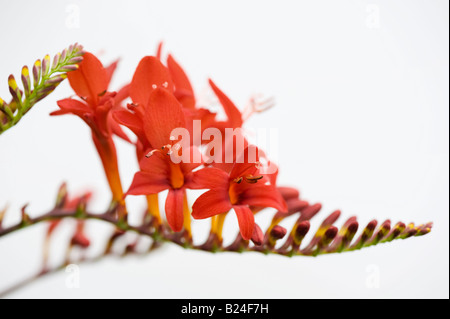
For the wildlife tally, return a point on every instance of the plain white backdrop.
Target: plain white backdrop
(362, 111)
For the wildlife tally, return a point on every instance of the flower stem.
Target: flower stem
(108, 155)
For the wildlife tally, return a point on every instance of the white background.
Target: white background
(362, 115)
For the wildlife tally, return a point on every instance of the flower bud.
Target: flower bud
(36, 72)
(258, 236)
(45, 65)
(278, 232)
(26, 81)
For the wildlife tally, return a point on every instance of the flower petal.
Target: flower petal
(122, 94)
(159, 50)
(209, 178)
(146, 183)
(183, 88)
(130, 120)
(233, 113)
(194, 162)
(246, 163)
(156, 164)
(246, 220)
(110, 71)
(174, 209)
(211, 203)
(117, 129)
(72, 106)
(262, 195)
(91, 78)
(150, 73)
(162, 115)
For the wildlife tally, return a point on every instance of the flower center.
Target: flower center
(176, 175)
(233, 191)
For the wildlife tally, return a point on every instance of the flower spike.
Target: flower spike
(163, 108)
(46, 78)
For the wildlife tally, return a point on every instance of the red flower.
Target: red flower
(162, 114)
(184, 93)
(234, 116)
(150, 74)
(90, 82)
(236, 190)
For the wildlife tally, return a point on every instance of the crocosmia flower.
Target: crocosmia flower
(239, 190)
(163, 113)
(90, 83)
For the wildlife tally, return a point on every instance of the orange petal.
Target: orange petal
(233, 113)
(72, 106)
(246, 221)
(174, 209)
(261, 195)
(162, 115)
(146, 184)
(150, 73)
(211, 203)
(110, 70)
(90, 79)
(183, 87)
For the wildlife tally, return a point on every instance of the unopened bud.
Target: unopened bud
(278, 232)
(56, 79)
(63, 55)
(45, 64)
(80, 240)
(61, 197)
(2, 215)
(330, 234)
(36, 72)
(288, 192)
(310, 211)
(26, 81)
(257, 236)
(68, 68)
(300, 231)
(56, 60)
(75, 60)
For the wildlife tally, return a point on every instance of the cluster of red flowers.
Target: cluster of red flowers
(162, 99)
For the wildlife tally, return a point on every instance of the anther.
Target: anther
(253, 179)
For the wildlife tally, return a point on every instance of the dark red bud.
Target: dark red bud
(80, 240)
(278, 232)
(310, 211)
(288, 192)
(352, 228)
(258, 236)
(331, 233)
(302, 229)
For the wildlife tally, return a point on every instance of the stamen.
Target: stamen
(256, 105)
(169, 148)
(151, 153)
(253, 179)
(162, 150)
(238, 180)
